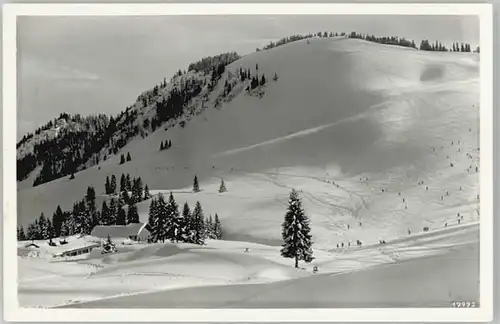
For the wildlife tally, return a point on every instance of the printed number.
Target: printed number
(463, 304)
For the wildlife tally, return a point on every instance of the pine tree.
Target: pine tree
(113, 185)
(20, 234)
(196, 185)
(64, 229)
(147, 195)
(123, 183)
(209, 227)
(137, 190)
(91, 207)
(50, 230)
(153, 220)
(174, 231)
(188, 223)
(198, 224)
(121, 218)
(133, 215)
(128, 182)
(128, 157)
(161, 223)
(161, 146)
(57, 220)
(263, 80)
(217, 228)
(113, 211)
(296, 232)
(107, 186)
(222, 187)
(32, 232)
(122, 159)
(169, 143)
(105, 214)
(42, 227)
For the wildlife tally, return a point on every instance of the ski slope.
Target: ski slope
(143, 275)
(354, 126)
(342, 110)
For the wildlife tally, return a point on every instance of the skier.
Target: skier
(426, 187)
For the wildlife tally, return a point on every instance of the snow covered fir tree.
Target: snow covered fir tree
(296, 232)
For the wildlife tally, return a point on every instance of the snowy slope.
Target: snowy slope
(146, 275)
(341, 112)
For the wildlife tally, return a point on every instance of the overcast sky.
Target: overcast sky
(101, 64)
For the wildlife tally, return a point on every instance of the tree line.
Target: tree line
(166, 223)
(84, 216)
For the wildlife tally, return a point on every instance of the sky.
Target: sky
(91, 65)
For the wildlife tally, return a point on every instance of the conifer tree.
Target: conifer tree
(217, 228)
(133, 215)
(64, 229)
(107, 186)
(122, 159)
(50, 230)
(222, 187)
(147, 195)
(263, 80)
(296, 232)
(57, 220)
(42, 227)
(161, 146)
(188, 223)
(123, 183)
(199, 224)
(128, 182)
(174, 230)
(113, 211)
(128, 157)
(121, 218)
(20, 234)
(137, 190)
(161, 223)
(113, 184)
(106, 215)
(32, 232)
(209, 228)
(196, 185)
(91, 207)
(153, 220)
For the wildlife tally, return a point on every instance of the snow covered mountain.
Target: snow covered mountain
(379, 140)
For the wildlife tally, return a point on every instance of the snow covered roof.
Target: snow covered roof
(123, 231)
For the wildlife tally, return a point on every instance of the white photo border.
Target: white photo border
(12, 310)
